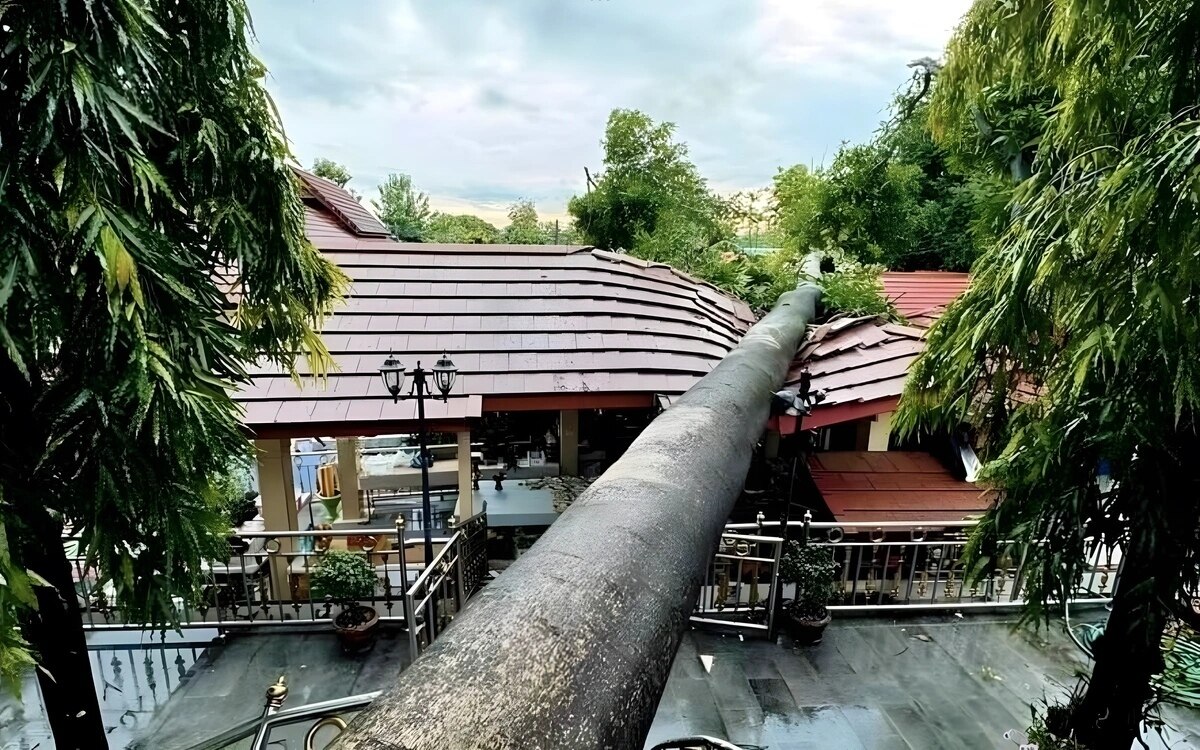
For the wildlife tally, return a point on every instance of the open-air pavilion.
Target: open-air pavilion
(568, 348)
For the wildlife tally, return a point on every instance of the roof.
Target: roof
(893, 486)
(348, 212)
(861, 365)
(921, 296)
(528, 326)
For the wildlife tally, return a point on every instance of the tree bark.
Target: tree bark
(572, 645)
(55, 631)
(1126, 655)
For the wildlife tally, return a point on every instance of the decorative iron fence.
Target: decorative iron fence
(265, 580)
(896, 566)
(442, 589)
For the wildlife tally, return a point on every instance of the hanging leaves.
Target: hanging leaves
(142, 167)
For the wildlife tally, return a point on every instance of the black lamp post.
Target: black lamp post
(442, 374)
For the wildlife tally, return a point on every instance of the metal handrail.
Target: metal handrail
(274, 715)
(699, 742)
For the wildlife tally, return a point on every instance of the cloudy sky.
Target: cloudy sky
(487, 101)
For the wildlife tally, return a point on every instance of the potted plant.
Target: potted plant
(812, 569)
(346, 578)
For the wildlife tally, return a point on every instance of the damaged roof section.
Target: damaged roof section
(861, 365)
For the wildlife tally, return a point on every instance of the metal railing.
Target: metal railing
(442, 589)
(316, 725)
(265, 581)
(882, 566)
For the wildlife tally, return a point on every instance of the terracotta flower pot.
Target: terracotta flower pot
(356, 628)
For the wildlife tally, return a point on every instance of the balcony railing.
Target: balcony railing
(883, 566)
(265, 580)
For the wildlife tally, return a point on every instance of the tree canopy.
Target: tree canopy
(1074, 351)
(899, 200)
(402, 208)
(460, 228)
(331, 170)
(523, 227)
(152, 247)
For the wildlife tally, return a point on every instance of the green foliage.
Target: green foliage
(560, 233)
(142, 173)
(523, 227)
(894, 201)
(331, 170)
(232, 496)
(1091, 294)
(650, 200)
(460, 228)
(1180, 682)
(403, 209)
(344, 576)
(812, 569)
(855, 288)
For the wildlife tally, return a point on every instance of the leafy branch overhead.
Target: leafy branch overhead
(152, 248)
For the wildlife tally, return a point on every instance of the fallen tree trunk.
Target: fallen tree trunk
(571, 646)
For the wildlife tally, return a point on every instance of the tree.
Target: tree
(460, 228)
(331, 170)
(560, 233)
(900, 200)
(143, 176)
(523, 227)
(647, 181)
(402, 208)
(1091, 299)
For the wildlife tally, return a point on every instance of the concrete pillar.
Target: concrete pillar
(278, 505)
(465, 508)
(880, 432)
(568, 442)
(771, 444)
(347, 455)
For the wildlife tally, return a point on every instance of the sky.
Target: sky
(485, 102)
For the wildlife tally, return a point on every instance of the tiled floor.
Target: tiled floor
(941, 682)
(938, 682)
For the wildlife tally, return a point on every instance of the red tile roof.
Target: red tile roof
(529, 326)
(922, 295)
(893, 486)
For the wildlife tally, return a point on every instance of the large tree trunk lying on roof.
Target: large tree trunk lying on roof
(571, 646)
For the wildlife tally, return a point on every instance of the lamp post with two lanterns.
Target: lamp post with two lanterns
(442, 374)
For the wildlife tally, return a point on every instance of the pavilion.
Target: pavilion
(560, 332)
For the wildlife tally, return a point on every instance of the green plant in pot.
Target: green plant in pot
(347, 578)
(813, 571)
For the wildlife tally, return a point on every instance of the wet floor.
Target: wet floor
(873, 684)
(923, 684)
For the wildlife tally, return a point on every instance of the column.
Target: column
(771, 444)
(568, 442)
(880, 432)
(465, 508)
(347, 456)
(278, 505)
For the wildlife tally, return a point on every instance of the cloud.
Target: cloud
(484, 102)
